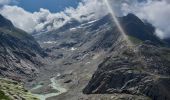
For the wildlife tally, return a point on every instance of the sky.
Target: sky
(48, 15)
(51, 5)
(35, 5)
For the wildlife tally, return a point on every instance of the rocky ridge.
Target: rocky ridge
(19, 52)
(142, 69)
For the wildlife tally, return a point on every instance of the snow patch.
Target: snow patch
(50, 42)
(73, 49)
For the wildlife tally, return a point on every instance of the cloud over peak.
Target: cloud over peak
(44, 20)
(4, 2)
(156, 12)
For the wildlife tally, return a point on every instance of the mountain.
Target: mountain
(141, 70)
(101, 33)
(19, 52)
(5, 22)
(137, 72)
(134, 27)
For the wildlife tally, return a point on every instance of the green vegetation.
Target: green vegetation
(11, 90)
(165, 55)
(3, 96)
(134, 40)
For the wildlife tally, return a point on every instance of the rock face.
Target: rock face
(18, 52)
(141, 72)
(143, 69)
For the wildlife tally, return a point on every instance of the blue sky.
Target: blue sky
(52, 5)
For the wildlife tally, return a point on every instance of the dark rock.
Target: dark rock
(68, 81)
(5, 22)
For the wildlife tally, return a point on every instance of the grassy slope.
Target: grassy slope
(10, 90)
(134, 40)
(3, 96)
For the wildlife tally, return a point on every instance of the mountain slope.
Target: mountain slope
(145, 72)
(139, 70)
(18, 52)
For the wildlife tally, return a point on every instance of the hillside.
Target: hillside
(19, 52)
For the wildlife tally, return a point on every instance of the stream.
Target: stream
(55, 85)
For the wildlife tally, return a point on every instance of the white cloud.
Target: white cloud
(45, 20)
(88, 7)
(156, 12)
(36, 21)
(19, 17)
(4, 2)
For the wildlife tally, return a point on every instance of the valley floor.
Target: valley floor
(63, 78)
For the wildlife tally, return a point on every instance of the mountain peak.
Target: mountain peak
(5, 22)
(131, 16)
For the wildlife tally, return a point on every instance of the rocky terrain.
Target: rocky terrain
(121, 71)
(142, 69)
(19, 52)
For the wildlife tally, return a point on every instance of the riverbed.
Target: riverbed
(55, 85)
